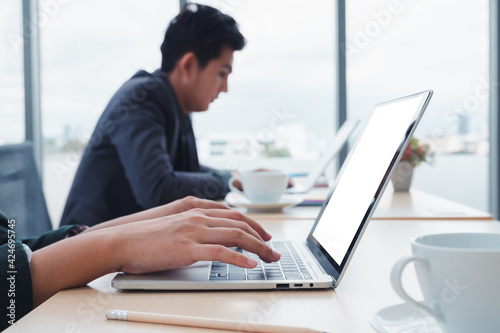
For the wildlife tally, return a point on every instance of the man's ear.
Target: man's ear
(188, 64)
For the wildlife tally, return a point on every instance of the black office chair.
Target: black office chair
(21, 194)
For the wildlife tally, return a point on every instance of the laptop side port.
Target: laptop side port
(282, 286)
(298, 285)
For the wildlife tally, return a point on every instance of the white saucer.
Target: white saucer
(237, 200)
(403, 318)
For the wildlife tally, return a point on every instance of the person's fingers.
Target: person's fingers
(238, 184)
(239, 216)
(194, 202)
(213, 252)
(237, 237)
(228, 223)
(210, 204)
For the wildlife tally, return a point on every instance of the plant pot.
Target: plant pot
(401, 177)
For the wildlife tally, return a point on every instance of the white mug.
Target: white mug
(459, 275)
(261, 186)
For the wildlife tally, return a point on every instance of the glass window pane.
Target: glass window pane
(280, 104)
(11, 73)
(88, 50)
(399, 48)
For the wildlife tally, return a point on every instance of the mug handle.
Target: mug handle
(396, 273)
(231, 185)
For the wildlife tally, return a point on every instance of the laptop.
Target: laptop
(341, 137)
(320, 261)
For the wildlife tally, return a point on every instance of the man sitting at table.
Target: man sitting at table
(142, 152)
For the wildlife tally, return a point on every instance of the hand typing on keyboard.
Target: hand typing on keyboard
(166, 237)
(195, 235)
(289, 267)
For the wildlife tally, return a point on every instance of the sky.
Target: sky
(439, 45)
(89, 48)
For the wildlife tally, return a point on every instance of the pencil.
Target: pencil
(221, 324)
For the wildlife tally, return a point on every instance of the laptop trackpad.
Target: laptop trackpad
(199, 271)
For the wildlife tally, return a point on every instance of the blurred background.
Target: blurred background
(280, 111)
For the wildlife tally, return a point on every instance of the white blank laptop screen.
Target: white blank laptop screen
(362, 177)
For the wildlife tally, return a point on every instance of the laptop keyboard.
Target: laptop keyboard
(289, 267)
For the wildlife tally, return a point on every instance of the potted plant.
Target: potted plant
(414, 154)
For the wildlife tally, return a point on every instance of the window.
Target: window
(11, 73)
(88, 50)
(280, 104)
(398, 48)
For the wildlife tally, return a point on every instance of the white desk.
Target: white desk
(412, 205)
(417, 204)
(364, 289)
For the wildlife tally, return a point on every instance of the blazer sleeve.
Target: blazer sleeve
(141, 144)
(15, 282)
(15, 275)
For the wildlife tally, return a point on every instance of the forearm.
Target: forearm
(148, 214)
(174, 185)
(148, 246)
(176, 207)
(71, 263)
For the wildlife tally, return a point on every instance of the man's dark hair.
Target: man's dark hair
(202, 30)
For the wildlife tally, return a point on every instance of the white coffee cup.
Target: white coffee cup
(459, 275)
(261, 186)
